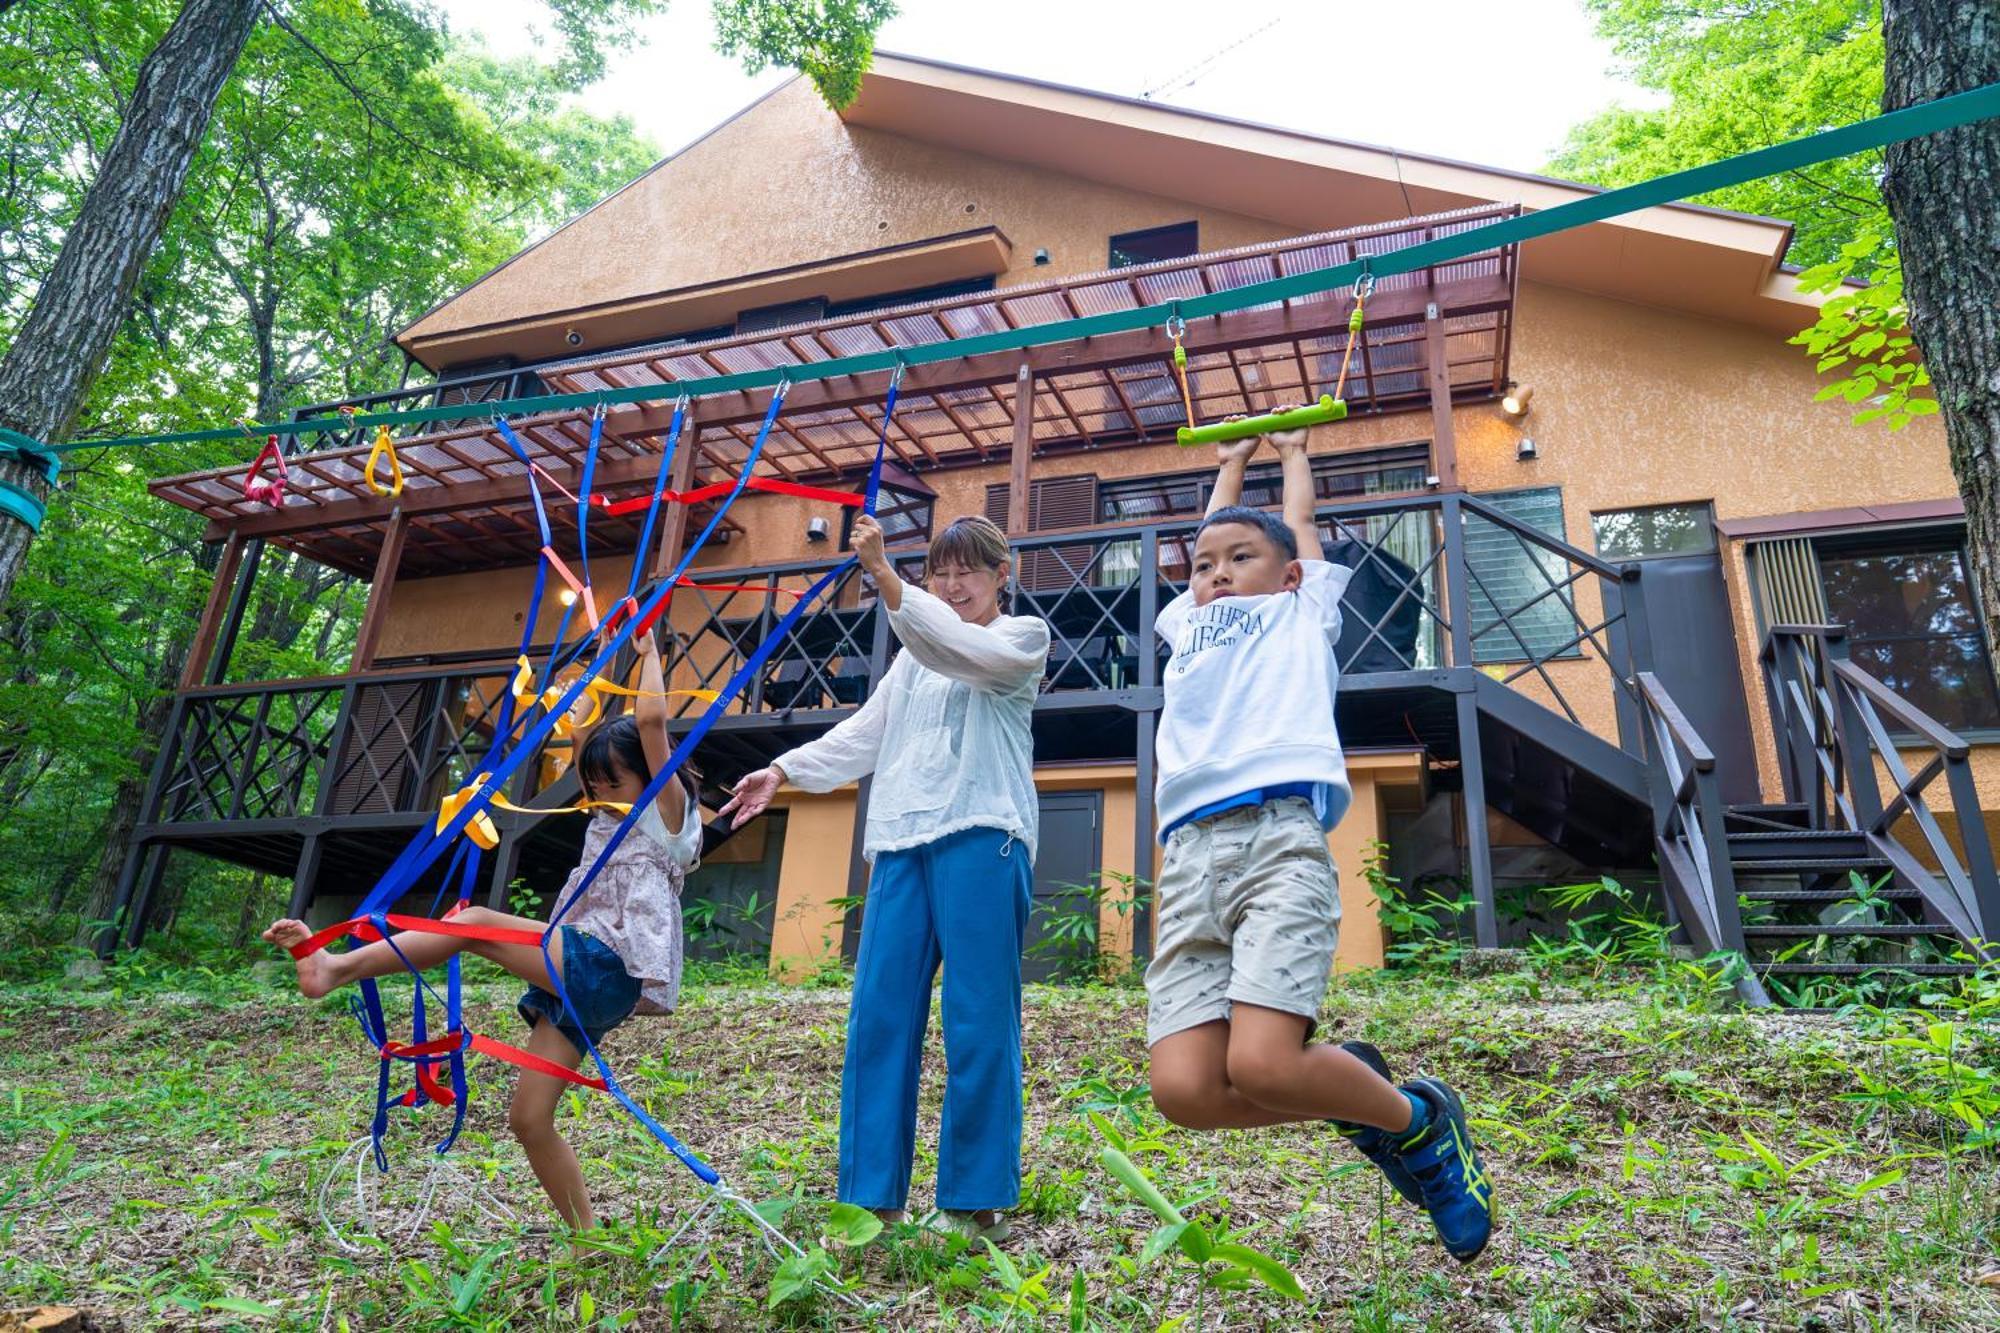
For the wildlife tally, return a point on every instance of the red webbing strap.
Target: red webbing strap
(361, 928)
(717, 489)
(514, 1055)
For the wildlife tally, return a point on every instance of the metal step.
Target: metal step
(1829, 896)
(1794, 864)
(1781, 815)
(1793, 844)
(1864, 969)
(1782, 931)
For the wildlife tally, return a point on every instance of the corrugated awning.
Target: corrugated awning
(467, 500)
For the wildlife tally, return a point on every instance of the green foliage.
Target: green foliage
(359, 166)
(830, 41)
(1220, 1263)
(1862, 334)
(1741, 75)
(1071, 927)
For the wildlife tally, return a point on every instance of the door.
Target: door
(1062, 924)
(1693, 635)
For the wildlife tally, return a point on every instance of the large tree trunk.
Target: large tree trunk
(47, 373)
(1943, 191)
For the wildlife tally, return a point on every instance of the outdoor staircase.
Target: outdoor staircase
(1823, 903)
(1844, 879)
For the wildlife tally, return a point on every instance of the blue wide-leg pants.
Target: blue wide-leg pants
(963, 901)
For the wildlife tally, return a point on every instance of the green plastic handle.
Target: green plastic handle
(1328, 408)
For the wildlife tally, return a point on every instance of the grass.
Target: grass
(1663, 1161)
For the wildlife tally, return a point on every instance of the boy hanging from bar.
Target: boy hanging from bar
(1251, 778)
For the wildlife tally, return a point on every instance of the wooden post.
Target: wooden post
(1024, 448)
(673, 531)
(1444, 446)
(378, 592)
(211, 614)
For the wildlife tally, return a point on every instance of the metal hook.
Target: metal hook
(1364, 286)
(896, 376)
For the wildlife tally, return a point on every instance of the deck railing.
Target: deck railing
(1839, 730)
(1417, 603)
(381, 743)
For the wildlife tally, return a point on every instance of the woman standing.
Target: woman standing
(951, 833)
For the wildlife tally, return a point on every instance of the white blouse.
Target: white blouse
(946, 732)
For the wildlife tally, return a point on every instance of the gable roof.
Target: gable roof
(668, 238)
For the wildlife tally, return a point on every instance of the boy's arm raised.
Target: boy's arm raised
(1231, 458)
(1299, 497)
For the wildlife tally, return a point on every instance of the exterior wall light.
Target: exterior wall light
(1515, 404)
(567, 597)
(1525, 450)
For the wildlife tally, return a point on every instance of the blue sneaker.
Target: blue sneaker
(1456, 1190)
(1373, 1143)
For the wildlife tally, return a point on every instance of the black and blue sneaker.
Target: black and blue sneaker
(1372, 1143)
(1456, 1190)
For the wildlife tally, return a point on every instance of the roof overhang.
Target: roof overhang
(979, 253)
(1703, 260)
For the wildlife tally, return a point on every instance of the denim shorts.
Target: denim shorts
(601, 992)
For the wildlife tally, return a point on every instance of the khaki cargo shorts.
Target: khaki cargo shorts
(1249, 905)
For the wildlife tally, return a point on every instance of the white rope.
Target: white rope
(375, 1195)
(720, 1199)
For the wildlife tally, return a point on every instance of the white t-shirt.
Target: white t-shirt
(1249, 696)
(946, 732)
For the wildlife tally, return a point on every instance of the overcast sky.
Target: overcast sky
(1492, 83)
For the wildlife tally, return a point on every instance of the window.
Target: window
(1153, 244)
(1510, 573)
(1911, 621)
(1335, 477)
(903, 507)
(910, 296)
(905, 517)
(1053, 503)
(1637, 534)
(786, 313)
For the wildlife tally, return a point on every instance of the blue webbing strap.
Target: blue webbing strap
(653, 509)
(713, 713)
(743, 675)
(430, 840)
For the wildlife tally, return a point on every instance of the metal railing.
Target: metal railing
(374, 744)
(1838, 730)
(1690, 834)
(396, 741)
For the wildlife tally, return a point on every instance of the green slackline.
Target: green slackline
(18, 501)
(1945, 113)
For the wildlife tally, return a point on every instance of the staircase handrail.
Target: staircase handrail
(1688, 822)
(1852, 746)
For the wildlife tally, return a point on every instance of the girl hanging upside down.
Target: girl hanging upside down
(619, 946)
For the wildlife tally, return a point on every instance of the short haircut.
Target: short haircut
(1279, 531)
(972, 542)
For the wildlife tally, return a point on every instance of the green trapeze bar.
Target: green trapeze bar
(1328, 408)
(1925, 118)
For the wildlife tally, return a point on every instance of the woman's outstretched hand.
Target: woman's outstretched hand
(752, 795)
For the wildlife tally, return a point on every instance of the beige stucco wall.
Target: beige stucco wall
(788, 183)
(813, 873)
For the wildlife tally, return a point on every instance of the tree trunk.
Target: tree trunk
(46, 375)
(114, 839)
(1943, 191)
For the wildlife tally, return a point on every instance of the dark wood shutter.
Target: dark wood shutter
(1054, 503)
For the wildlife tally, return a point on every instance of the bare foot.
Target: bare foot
(315, 969)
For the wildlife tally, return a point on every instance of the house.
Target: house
(1628, 599)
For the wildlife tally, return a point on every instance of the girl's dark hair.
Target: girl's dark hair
(615, 748)
(611, 749)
